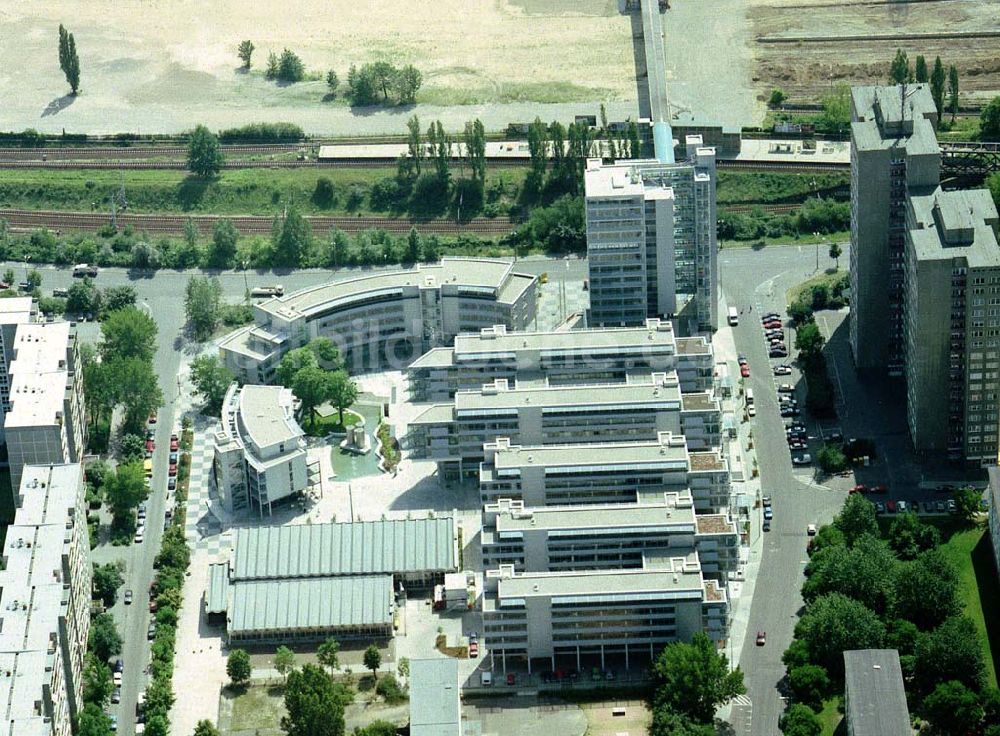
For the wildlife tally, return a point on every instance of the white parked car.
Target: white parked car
(803, 459)
(811, 530)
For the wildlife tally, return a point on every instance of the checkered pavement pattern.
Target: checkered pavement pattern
(203, 530)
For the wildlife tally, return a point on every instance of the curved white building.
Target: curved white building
(384, 320)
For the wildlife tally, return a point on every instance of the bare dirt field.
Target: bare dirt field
(807, 67)
(166, 65)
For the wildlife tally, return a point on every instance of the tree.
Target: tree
(403, 665)
(377, 728)
(128, 333)
(439, 151)
(857, 518)
(205, 728)
(899, 69)
(238, 667)
(920, 70)
(69, 61)
(373, 659)
(800, 720)
(989, 121)
(291, 237)
(342, 392)
(202, 305)
(777, 97)
(950, 652)
(538, 152)
(271, 70)
(204, 156)
(953, 91)
(328, 654)
(810, 684)
(694, 679)
(414, 147)
(84, 298)
(634, 144)
(125, 489)
(863, 572)
(406, 82)
(245, 51)
(314, 705)
(284, 661)
(290, 67)
(107, 579)
(967, 504)
(475, 149)
(834, 623)
(157, 725)
(953, 709)
(97, 682)
(332, 82)
(211, 379)
(909, 536)
(835, 253)
(836, 116)
(312, 386)
(361, 88)
(118, 297)
(383, 73)
(222, 251)
(809, 340)
(132, 447)
(34, 280)
(133, 385)
(937, 86)
(831, 459)
(292, 362)
(104, 640)
(667, 722)
(93, 721)
(414, 247)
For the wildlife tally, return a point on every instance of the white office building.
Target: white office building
(44, 422)
(651, 240)
(605, 536)
(606, 472)
(260, 452)
(13, 312)
(44, 604)
(583, 356)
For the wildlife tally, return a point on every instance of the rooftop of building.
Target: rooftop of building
(478, 273)
(961, 223)
(16, 310)
(885, 119)
(672, 512)
(693, 346)
(700, 401)
(266, 414)
(38, 374)
(656, 390)
(48, 493)
(712, 460)
(217, 595)
(714, 524)
(665, 449)
(350, 548)
(27, 673)
(489, 342)
(435, 708)
(876, 699)
(594, 585)
(316, 603)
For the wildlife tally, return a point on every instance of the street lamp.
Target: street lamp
(246, 286)
(816, 235)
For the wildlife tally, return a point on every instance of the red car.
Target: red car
(172, 470)
(745, 371)
(859, 488)
(890, 506)
(473, 649)
(880, 489)
(773, 325)
(173, 443)
(150, 445)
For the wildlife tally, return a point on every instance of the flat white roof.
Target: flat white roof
(38, 374)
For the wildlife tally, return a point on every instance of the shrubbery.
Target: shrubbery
(815, 215)
(263, 133)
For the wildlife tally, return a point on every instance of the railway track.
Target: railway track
(745, 209)
(805, 167)
(27, 220)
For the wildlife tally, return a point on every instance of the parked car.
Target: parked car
(486, 678)
(786, 388)
(952, 507)
(902, 507)
(859, 488)
(138, 536)
(879, 507)
(150, 434)
(780, 334)
(173, 458)
(116, 695)
(890, 506)
(766, 501)
(745, 371)
(811, 530)
(173, 443)
(880, 488)
(751, 411)
(761, 638)
(128, 597)
(777, 353)
(172, 470)
(790, 411)
(150, 444)
(171, 483)
(796, 444)
(473, 649)
(772, 324)
(742, 360)
(803, 459)
(768, 513)
(152, 417)
(770, 317)
(766, 525)
(151, 631)
(782, 370)
(835, 436)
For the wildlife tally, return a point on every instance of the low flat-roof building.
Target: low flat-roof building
(260, 452)
(44, 421)
(571, 615)
(583, 356)
(874, 698)
(435, 703)
(45, 591)
(608, 472)
(384, 320)
(454, 434)
(605, 536)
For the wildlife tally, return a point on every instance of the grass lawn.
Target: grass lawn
(970, 551)
(259, 708)
(829, 278)
(832, 719)
(746, 187)
(824, 258)
(324, 425)
(233, 192)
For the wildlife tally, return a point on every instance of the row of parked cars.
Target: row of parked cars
(774, 333)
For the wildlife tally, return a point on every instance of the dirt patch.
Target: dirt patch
(806, 69)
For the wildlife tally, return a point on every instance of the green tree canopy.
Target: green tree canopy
(938, 79)
(377, 728)
(284, 661)
(899, 69)
(920, 73)
(312, 386)
(809, 340)
(343, 392)
(864, 572)
(203, 305)
(800, 720)
(328, 654)
(107, 580)
(667, 722)
(291, 237)
(694, 679)
(810, 685)
(926, 590)
(951, 652)
(93, 721)
(245, 52)
(909, 536)
(373, 659)
(238, 667)
(834, 623)
(953, 709)
(989, 121)
(292, 362)
(128, 333)
(211, 379)
(119, 297)
(222, 250)
(314, 705)
(126, 488)
(84, 298)
(104, 640)
(856, 519)
(204, 157)
(967, 504)
(97, 682)
(133, 385)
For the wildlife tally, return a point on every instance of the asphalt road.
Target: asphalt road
(760, 279)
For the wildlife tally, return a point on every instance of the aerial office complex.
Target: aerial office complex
(44, 604)
(384, 320)
(454, 434)
(562, 357)
(651, 240)
(260, 452)
(606, 472)
(925, 271)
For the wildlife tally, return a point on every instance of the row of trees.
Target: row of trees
(868, 590)
(900, 72)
